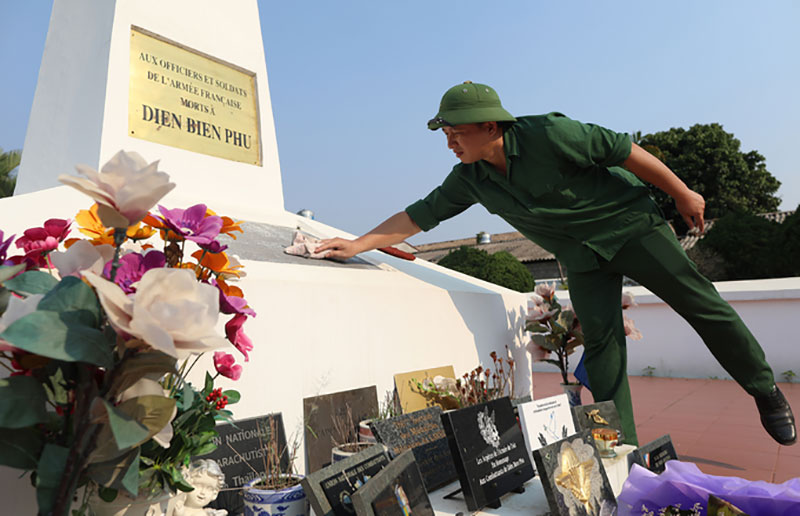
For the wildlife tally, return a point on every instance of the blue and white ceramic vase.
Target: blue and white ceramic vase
(291, 501)
(573, 392)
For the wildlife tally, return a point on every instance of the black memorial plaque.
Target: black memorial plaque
(396, 490)
(241, 448)
(488, 450)
(323, 413)
(422, 433)
(573, 477)
(654, 455)
(330, 489)
(597, 415)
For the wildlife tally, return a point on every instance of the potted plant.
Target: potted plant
(99, 334)
(556, 329)
(477, 386)
(389, 407)
(278, 491)
(346, 441)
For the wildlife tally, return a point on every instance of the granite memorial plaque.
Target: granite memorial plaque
(573, 477)
(410, 399)
(241, 448)
(325, 415)
(396, 490)
(654, 455)
(488, 450)
(422, 433)
(597, 415)
(545, 421)
(330, 489)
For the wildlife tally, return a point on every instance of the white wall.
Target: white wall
(673, 349)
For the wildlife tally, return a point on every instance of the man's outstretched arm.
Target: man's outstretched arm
(391, 231)
(647, 167)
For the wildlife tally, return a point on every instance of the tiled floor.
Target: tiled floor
(712, 423)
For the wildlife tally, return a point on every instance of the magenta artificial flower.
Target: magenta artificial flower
(232, 304)
(224, 363)
(192, 223)
(132, 267)
(235, 334)
(213, 247)
(36, 242)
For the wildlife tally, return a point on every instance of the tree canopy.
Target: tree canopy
(710, 161)
(8, 162)
(500, 268)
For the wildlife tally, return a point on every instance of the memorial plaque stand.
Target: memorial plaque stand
(489, 452)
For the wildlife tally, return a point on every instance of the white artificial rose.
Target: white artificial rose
(171, 311)
(125, 189)
(82, 256)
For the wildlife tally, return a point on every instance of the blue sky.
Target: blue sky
(353, 83)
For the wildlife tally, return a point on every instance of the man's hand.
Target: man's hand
(691, 206)
(339, 248)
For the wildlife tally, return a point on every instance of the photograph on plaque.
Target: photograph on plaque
(396, 490)
(422, 433)
(602, 414)
(545, 421)
(654, 455)
(410, 398)
(241, 446)
(330, 489)
(187, 99)
(488, 450)
(573, 477)
(332, 419)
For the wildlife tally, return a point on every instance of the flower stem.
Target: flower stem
(119, 238)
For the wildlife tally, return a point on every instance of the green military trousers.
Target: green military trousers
(657, 262)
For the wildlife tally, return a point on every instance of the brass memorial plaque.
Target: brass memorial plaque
(183, 98)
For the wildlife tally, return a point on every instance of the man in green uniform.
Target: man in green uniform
(562, 184)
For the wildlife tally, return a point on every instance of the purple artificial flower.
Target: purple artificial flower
(232, 304)
(192, 223)
(213, 247)
(4, 245)
(132, 267)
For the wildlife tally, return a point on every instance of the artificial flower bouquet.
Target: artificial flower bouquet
(98, 335)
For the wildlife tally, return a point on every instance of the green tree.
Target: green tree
(8, 162)
(501, 268)
(710, 161)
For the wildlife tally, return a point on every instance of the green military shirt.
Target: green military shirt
(563, 189)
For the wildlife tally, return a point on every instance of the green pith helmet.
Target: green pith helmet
(469, 103)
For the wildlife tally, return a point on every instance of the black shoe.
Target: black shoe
(776, 416)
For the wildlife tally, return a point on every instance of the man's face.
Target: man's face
(469, 142)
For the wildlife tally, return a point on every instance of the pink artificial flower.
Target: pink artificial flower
(38, 241)
(631, 330)
(538, 353)
(224, 363)
(235, 334)
(628, 300)
(546, 290)
(540, 313)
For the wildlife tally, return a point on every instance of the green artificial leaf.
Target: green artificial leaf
(56, 386)
(31, 282)
(131, 423)
(119, 473)
(22, 402)
(5, 295)
(548, 342)
(20, 447)
(209, 386)
(140, 365)
(233, 396)
(9, 272)
(535, 327)
(73, 295)
(107, 494)
(62, 336)
(176, 478)
(49, 472)
(187, 397)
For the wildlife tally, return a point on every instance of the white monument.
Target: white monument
(145, 76)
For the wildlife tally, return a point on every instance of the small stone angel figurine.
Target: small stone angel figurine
(207, 479)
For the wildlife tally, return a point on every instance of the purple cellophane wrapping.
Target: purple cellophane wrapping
(683, 483)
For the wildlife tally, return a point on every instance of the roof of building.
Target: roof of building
(526, 251)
